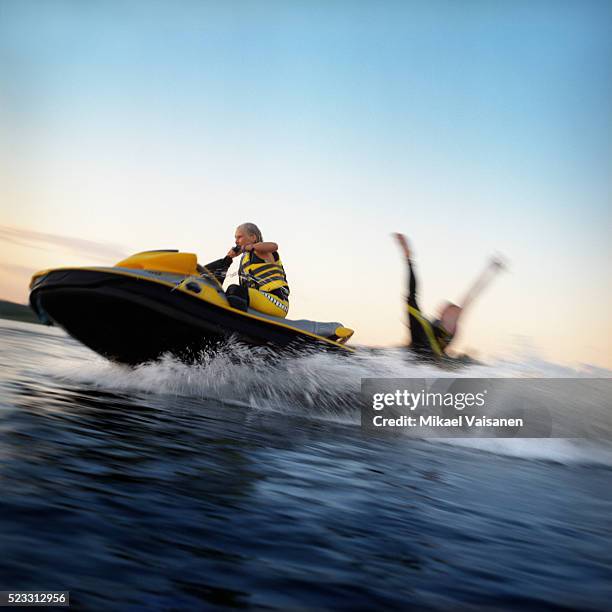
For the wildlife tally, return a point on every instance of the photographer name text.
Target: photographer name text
(436, 421)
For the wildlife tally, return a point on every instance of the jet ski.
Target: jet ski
(160, 302)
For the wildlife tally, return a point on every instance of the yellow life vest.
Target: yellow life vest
(263, 275)
(437, 335)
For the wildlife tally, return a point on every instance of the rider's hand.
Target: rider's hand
(497, 261)
(403, 244)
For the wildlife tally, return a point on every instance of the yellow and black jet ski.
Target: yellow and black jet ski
(161, 301)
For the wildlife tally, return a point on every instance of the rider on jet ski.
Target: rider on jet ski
(263, 283)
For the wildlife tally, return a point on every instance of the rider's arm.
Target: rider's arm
(411, 298)
(219, 267)
(263, 248)
(403, 245)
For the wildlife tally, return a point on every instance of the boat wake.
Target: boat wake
(322, 386)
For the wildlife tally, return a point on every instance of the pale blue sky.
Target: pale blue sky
(473, 126)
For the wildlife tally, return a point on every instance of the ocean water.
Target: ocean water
(238, 482)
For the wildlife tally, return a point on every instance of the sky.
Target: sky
(475, 127)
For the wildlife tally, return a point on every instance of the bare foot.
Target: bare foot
(403, 244)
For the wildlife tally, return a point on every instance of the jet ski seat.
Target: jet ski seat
(332, 330)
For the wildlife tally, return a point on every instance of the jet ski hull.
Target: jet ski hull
(133, 317)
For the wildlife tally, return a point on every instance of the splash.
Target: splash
(322, 386)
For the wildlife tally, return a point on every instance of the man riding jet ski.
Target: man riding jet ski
(263, 282)
(162, 301)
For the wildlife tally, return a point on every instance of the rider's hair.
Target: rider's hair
(253, 230)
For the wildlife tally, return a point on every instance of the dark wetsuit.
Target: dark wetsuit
(238, 295)
(219, 268)
(428, 339)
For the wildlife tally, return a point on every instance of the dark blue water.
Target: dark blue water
(246, 485)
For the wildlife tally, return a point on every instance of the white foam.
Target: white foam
(560, 450)
(323, 386)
